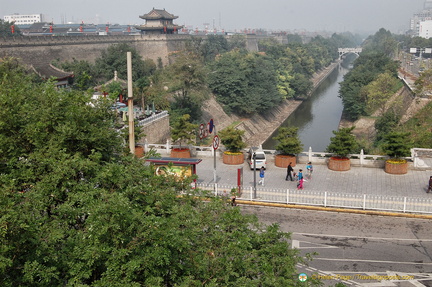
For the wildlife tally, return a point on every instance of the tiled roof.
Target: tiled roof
(158, 14)
(47, 71)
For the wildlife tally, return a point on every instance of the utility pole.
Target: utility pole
(254, 167)
(130, 104)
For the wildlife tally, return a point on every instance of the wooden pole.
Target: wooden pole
(130, 104)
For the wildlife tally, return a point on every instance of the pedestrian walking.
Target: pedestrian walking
(430, 185)
(289, 172)
(300, 179)
(300, 183)
(309, 168)
(300, 174)
(262, 174)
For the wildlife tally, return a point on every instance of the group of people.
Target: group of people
(291, 174)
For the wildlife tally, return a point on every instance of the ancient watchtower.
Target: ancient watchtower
(159, 22)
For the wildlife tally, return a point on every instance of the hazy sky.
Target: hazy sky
(310, 15)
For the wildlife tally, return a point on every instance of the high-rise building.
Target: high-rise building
(23, 19)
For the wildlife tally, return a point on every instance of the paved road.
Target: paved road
(363, 250)
(358, 180)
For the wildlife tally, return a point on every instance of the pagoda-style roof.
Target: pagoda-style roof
(122, 83)
(46, 71)
(158, 14)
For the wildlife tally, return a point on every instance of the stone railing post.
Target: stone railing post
(362, 157)
(310, 154)
(168, 146)
(146, 149)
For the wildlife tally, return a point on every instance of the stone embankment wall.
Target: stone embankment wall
(156, 129)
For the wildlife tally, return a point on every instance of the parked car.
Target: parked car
(260, 158)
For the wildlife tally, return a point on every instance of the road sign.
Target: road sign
(210, 126)
(216, 142)
(201, 131)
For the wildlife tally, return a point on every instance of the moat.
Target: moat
(317, 116)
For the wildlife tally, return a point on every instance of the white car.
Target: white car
(260, 158)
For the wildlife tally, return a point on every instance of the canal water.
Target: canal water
(317, 116)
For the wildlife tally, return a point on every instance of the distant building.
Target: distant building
(425, 29)
(159, 22)
(23, 19)
(424, 15)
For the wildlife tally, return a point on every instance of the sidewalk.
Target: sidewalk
(358, 180)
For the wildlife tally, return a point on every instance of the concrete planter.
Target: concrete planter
(180, 153)
(282, 160)
(393, 167)
(139, 151)
(233, 158)
(339, 163)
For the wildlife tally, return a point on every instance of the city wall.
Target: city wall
(45, 49)
(33, 49)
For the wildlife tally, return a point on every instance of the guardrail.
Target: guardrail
(153, 118)
(416, 160)
(327, 199)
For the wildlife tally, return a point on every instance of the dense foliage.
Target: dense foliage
(76, 211)
(88, 75)
(370, 89)
(420, 128)
(372, 62)
(244, 82)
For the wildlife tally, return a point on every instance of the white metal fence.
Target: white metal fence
(328, 199)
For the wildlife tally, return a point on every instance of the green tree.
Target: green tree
(288, 141)
(397, 144)
(187, 78)
(379, 91)
(115, 59)
(245, 83)
(366, 69)
(232, 139)
(343, 143)
(213, 46)
(386, 123)
(183, 130)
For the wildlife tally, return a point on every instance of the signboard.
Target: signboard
(201, 131)
(216, 142)
(177, 171)
(413, 50)
(428, 50)
(205, 130)
(210, 126)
